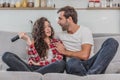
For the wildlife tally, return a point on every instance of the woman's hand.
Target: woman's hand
(25, 37)
(31, 62)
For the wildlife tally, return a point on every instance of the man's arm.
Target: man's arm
(83, 54)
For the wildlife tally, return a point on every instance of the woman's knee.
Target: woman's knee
(6, 56)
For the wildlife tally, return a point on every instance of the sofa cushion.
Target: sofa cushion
(20, 75)
(114, 67)
(59, 76)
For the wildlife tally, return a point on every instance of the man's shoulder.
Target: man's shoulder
(85, 29)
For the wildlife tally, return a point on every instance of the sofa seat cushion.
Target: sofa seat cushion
(59, 76)
(114, 67)
(20, 75)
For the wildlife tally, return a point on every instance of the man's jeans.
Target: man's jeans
(95, 65)
(16, 64)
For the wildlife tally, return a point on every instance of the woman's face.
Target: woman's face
(47, 28)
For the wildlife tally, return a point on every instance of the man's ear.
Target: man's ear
(69, 19)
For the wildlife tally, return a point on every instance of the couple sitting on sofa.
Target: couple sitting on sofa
(46, 54)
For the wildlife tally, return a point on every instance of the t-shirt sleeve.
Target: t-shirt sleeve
(87, 37)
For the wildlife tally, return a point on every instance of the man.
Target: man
(78, 46)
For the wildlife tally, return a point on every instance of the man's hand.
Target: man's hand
(83, 54)
(60, 47)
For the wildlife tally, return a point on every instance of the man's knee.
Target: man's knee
(113, 44)
(111, 41)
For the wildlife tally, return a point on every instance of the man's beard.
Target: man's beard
(64, 29)
(65, 26)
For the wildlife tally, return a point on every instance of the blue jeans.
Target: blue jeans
(17, 64)
(95, 65)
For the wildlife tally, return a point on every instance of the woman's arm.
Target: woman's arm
(25, 37)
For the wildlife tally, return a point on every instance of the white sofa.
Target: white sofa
(19, 47)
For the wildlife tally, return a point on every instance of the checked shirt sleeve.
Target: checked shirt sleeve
(33, 55)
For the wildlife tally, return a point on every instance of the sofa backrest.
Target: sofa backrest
(19, 47)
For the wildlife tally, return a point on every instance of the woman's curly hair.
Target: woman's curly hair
(38, 35)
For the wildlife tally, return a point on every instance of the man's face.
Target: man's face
(62, 21)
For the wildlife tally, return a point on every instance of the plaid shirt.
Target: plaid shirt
(35, 57)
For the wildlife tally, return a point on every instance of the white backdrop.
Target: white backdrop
(99, 21)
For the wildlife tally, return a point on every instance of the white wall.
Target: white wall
(18, 20)
(99, 21)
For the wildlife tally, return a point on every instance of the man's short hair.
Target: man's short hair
(69, 12)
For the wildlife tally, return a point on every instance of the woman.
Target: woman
(44, 58)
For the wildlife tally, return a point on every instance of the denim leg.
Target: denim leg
(56, 67)
(75, 66)
(14, 62)
(104, 56)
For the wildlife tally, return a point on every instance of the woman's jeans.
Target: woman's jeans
(16, 64)
(95, 65)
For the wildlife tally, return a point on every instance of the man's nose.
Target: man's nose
(58, 22)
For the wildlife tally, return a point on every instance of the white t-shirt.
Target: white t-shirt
(50, 55)
(74, 41)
